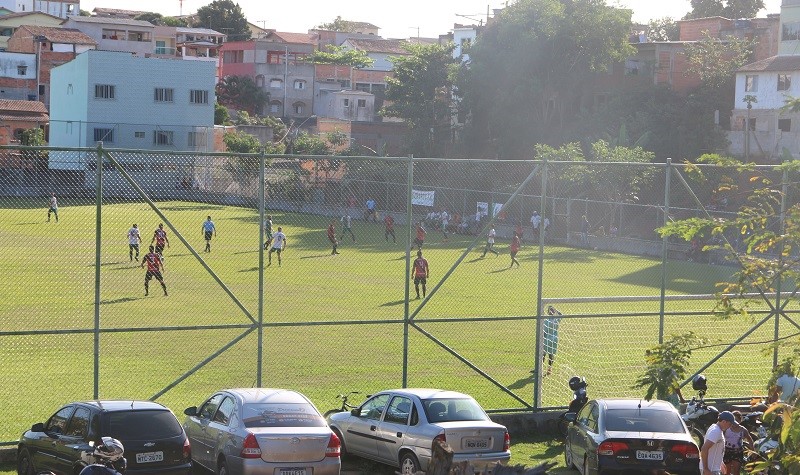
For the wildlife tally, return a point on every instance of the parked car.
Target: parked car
(629, 435)
(154, 441)
(398, 427)
(261, 431)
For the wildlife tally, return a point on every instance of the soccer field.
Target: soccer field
(332, 323)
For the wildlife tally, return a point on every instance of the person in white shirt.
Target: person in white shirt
(134, 239)
(278, 245)
(713, 450)
(788, 385)
(490, 243)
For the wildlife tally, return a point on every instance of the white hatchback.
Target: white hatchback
(398, 427)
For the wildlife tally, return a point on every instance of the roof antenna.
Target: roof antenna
(180, 7)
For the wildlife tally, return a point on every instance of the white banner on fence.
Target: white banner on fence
(422, 198)
(483, 208)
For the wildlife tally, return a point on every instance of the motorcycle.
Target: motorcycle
(699, 416)
(579, 399)
(107, 458)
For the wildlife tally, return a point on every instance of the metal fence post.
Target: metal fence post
(261, 205)
(97, 264)
(664, 250)
(409, 220)
(537, 370)
(779, 309)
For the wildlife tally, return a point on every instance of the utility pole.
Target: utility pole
(749, 99)
(180, 7)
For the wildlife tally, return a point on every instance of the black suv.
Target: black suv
(155, 443)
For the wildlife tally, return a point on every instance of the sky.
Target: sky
(426, 18)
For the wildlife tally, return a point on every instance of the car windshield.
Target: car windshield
(281, 415)
(451, 410)
(643, 420)
(137, 425)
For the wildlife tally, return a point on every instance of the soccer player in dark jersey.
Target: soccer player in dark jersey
(421, 273)
(332, 236)
(515, 244)
(160, 238)
(389, 222)
(154, 268)
(420, 239)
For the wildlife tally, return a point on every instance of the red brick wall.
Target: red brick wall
(693, 30)
(362, 75)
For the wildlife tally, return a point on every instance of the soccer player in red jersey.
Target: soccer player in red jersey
(420, 239)
(389, 222)
(332, 236)
(154, 267)
(160, 238)
(421, 273)
(515, 244)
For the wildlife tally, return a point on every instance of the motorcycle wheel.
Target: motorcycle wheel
(698, 436)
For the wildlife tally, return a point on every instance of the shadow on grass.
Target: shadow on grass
(203, 208)
(393, 304)
(121, 300)
(521, 383)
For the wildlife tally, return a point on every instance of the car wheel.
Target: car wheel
(342, 447)
(568, 455)
(24, 463)
(222, 468)
(409, 465)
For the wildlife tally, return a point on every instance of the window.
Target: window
(22, 70)
(299, 107)
(791, 31)
(79, 424)
(163, 94)
(138, 135)
(104, 91)
(299, 84)
(260, 80)
(751, 83)
(785, 125)
(362, 86)
(230, 57)
(275, 83)
(275, 107)
(373, 408)
(197, 139)
(103, 135)
(162, 137)
(347, 102)
(784, 82)
(223, 415)
(398, 411)
(58, 423)
(198, 96)
(362, 103)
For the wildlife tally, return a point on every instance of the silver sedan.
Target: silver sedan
(261, 431)
(398, 427)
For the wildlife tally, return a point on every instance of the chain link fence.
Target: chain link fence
(336, 310)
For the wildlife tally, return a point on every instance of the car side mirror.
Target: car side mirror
(355, 412)
(571, 416)
(190, 411)
(38, 427)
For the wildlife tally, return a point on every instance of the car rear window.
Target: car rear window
(451, 410)
(137, 425)
(281, 415)
(643, 420)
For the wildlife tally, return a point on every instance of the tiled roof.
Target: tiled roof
(197, 31)
(24, 14)
(110, 20)
(378, 46)
(775, 63)
(7, 105)
(362, 24)
(303, 38)
(60, 35)
(116, 11)
(24, 117)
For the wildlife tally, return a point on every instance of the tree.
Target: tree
(549, 52)
(341, 56)
(420, 93)
(339, 25)
(663, 29)
(667, 365)
(160, 20)
(221, 116)
(241, 93)
(226, 17)
(245, 168)
(729, 8)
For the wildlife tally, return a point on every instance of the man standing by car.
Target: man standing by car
(713, 450)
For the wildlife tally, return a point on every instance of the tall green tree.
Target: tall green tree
(339, 25)
(420, 92)
(241, 93)
(663, 29)
(342, 57)
(226, 17)
(529, 74)
(728, 8)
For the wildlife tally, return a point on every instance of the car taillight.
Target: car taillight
(334, 447)
(611, 448)
(250, 448)
(441, 438)
(506, 441)
(687, 451)
(187, 449)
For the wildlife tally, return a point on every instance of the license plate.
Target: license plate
(148, 457)
(476, 443)
(649, 455)
(292, 471)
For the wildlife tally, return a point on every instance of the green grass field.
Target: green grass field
(334, 323)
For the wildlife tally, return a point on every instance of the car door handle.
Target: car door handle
(373, 428)
(399, 434)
